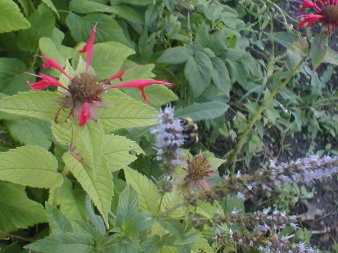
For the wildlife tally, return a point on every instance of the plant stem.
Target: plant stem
(231, 160)
(16, 236)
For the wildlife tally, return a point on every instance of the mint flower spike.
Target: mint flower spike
(326, 11)
(84, 93)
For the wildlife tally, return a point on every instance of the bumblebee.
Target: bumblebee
(190, 132)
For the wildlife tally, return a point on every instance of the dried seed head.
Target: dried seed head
(330, 13)
(84, 88)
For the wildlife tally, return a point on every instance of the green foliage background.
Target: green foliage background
(226, 59)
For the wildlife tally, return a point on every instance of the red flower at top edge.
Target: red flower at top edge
(83, 92)
(326, 11)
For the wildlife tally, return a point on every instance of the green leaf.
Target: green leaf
(108, 58)
(176, 55)
(202, 111)
(85, 6)
(49, 49)
(98, 185)
(130, 14)
(50, 4)
(124, 112)
(72, 201)
(11, 19)
(30, 166)
(30, 132)
(89, 144)
(319, 48)
(17, 210)
(57, 221)
(62, 132)
(107, 30)
(43, 23)
(12, 76)
(137, 2)
(117, 151)
(147, 191)
(220, 76)
(127, 207)
(67, 242)
(36, 104)
(197, 71)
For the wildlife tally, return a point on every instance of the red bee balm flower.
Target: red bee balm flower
(84, 92)
(326, 11)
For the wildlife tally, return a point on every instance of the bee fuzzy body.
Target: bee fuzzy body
(190, 132)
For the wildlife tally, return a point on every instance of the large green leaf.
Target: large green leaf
(57, 221)
(30, 132)
(43, 23)
(127, 207)
(37, 104)
(137, 2)
(11, 18)
(66, 242)
(49, 49)
(72, 201)
(30, 166)
(202, 111)
(175, 55)
(117, 151)
(220, 76)
(131, 14)
(197, 71)
(319, 48)
(97, 183)
(16, 209)
(12, 76)
(147, 191)
(108, 58)
(123, 112)
(107, 30)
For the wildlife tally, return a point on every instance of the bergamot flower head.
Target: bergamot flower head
(84, 92)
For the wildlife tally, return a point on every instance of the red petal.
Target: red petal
(50, 63)
(84, 116)
(45, 82)
(138, 84)
(39, 85)
(88, 48)
(117, 75)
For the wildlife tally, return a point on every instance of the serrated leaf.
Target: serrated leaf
(99, 186)
(30, 166)
(108, 58)
(37, 104)
(127, 207)
(30, 132)
(117, 149)
(197, 71)
(89, 144)
(43, 23)
(57, 221)
(220, 76)
(319, 48)
(62, 132)
(147, 191)
(11, 19)
(12, 76)
(176, 55)
(17, 210)
(124, 113)
(67, 242)
(72, 201)
(202, 111)
(107, 30)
